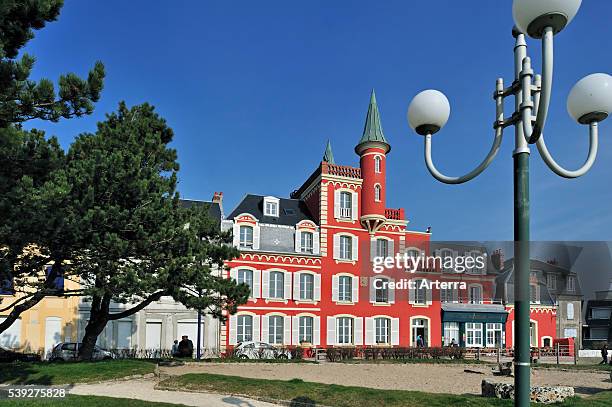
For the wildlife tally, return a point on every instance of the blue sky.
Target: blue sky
(253, 91)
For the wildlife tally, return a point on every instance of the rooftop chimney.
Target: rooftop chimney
(218, 198)
(498, 259)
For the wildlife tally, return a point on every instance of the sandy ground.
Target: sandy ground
(422, 377)
(144, 390)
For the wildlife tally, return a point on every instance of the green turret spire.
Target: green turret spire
(328, 156)
(372, 131)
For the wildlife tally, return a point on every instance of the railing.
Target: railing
(346, 213)
(342, 170)
(473, 301)
(395, 214)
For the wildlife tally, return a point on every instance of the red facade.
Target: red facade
(350, 223)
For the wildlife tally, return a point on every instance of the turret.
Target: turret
(372, 150)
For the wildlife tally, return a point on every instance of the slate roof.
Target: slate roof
(291, 211)
(504, 282)
(214, 210)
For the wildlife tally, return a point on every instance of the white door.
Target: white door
(190, 328)
(53, 333)
(124, 334)
(153, 335)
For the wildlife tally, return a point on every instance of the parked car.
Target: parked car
(65, 351)
(260, 350)
(7, 355)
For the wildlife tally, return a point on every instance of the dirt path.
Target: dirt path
(422, 377)
(144, 390)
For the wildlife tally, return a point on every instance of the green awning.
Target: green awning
(466, 316)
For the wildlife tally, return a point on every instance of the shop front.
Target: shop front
(473, 325)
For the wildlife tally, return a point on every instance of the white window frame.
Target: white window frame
(241, 325)
(345, 330)
(377, 193)
(244, 243)
(346, 252)
(472, 340)
(240, 279)
(303, 328)
(304, 244)
(377, 164)
(417, 290)
(382, 242)
(450, 332)
(276, 330)
(344, 288)
(426, 325)
(282, 284)
(346, 205)
(302, 277)
(382, 333)
(491, 329)
(383, 289)
(271, 206)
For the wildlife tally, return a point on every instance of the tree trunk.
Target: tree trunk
(98, 317)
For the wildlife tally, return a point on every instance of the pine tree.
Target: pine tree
(33, 231)
(139, 244)
(31, 235)
(22, 99)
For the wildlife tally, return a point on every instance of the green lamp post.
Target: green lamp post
(589, 102)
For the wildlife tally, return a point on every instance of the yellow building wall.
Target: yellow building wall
(33, 333)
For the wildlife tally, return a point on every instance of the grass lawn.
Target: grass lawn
(67, 373)
(309, 393)
(87, 401)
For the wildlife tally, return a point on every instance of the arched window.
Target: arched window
(377, 164)
(377, 193)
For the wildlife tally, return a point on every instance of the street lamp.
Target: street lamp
(589, 102)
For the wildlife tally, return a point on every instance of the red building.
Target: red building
(309, 262)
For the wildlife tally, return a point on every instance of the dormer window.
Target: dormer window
(377, 164)
(306, 242)
(271, 206)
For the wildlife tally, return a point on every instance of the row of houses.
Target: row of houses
(308, 260)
